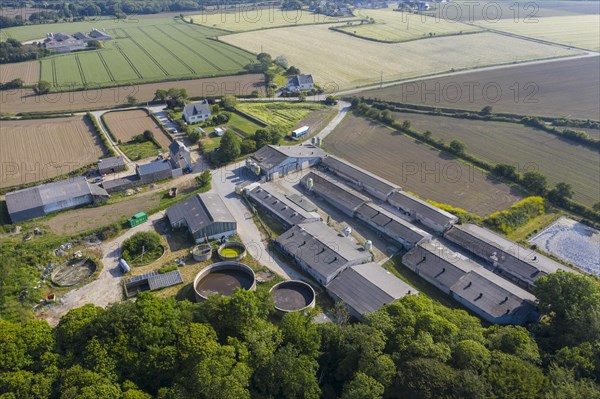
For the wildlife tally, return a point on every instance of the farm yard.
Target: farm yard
(279, 113)
(28, 71)
(340, 61)
(509, 143)
(562, 88)
(40, 149)
(150, 50)
(418, 168)
(27, 101)
(393, 27)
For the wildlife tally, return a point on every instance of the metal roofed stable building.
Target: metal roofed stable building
(510, 259)
(320, 250)
(364, 180)
(335, 192)
(366, 288)
(490, 296)
(431, 216)
(196, 112)
(44, 199)
(204, 215)
(111, 165)
(277, 204)
(393, 226)
(277, 161)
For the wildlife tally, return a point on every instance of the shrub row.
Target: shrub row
(517, 215)
(109, 150)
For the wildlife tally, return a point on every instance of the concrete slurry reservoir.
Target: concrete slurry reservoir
(202, 252)
(232, 251)
(293, 295)
(223, 278)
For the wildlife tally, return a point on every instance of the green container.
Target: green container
(138, 219)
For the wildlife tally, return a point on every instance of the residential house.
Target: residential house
(196, 112)
(300, 83)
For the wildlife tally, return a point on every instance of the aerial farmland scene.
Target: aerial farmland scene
(289, 199)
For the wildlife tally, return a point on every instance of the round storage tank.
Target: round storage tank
(223, 278)
(232, 251)
(292, 296)
(202, 252)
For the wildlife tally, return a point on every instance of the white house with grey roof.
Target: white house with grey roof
(422, 211)
(197, 111)
(366, 288)
(300, 83)
(490, 296)
(44, 199)
(320, 251)
(204, 215)
(273, 161)
(520, 264)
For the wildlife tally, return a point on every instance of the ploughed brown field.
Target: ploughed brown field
(418, 168)
(28, 71)
(567, 88)
(40, 149)
(125, 125)
(25, 100)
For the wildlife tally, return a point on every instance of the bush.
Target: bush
(141, 248)
(517, 215)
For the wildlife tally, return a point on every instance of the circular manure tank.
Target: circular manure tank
(232, 251)
(202, 252)
(293, 296)
(73, 272)
(223, 278)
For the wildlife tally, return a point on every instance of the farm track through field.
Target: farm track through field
(54, 72)
(218, 68)
(78, 61)
(146, 52)
(103, 61)
(221, 51)
(168, 50)
(131, 64)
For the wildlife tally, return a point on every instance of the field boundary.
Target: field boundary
(372, 39)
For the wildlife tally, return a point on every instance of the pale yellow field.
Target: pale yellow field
(393, 26)
(245, 18)
(579, 31)
(28, 71)
(340, 61)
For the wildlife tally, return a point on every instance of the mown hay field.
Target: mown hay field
(27, 101)
(568, 88)
(578, 31)
(40, 149)
(150, 50)
(279, 113)
(28, 71)
(417, 167)
(525, 147)
(394, 26)
(246, 17)
(125, 125)
(337, 60)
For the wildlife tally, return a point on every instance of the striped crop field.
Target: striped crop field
(148, 51)
(279, 113)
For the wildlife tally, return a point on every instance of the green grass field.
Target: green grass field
(279, 113)
(149, 50)
(392, 26)
(136, 151)
(524, 147)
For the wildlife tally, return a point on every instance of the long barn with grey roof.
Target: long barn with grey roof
(321, 251)
(334, 191)
(422, 211)
(204, 215)
(273, 161)
(490, 296)
(508, 258)
(287, 212)
(366, 288)
(44, 199)
(364, 180)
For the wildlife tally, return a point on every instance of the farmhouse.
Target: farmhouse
(181, 157)
(320, 251)
(196, 112)
(275, 161)
(44, 199)
(490, 296)
(111, 165)
(335, 192)
(509, 259)
(363, 180)
(286, 211)
(204, 215)
(65, 43)
(393, 226)
(300, 83)
(419, 210)
(366, 288)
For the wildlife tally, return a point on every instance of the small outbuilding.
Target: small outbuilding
(111, 165)
(154, 171)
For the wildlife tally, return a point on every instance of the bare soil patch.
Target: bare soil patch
(28, 71)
